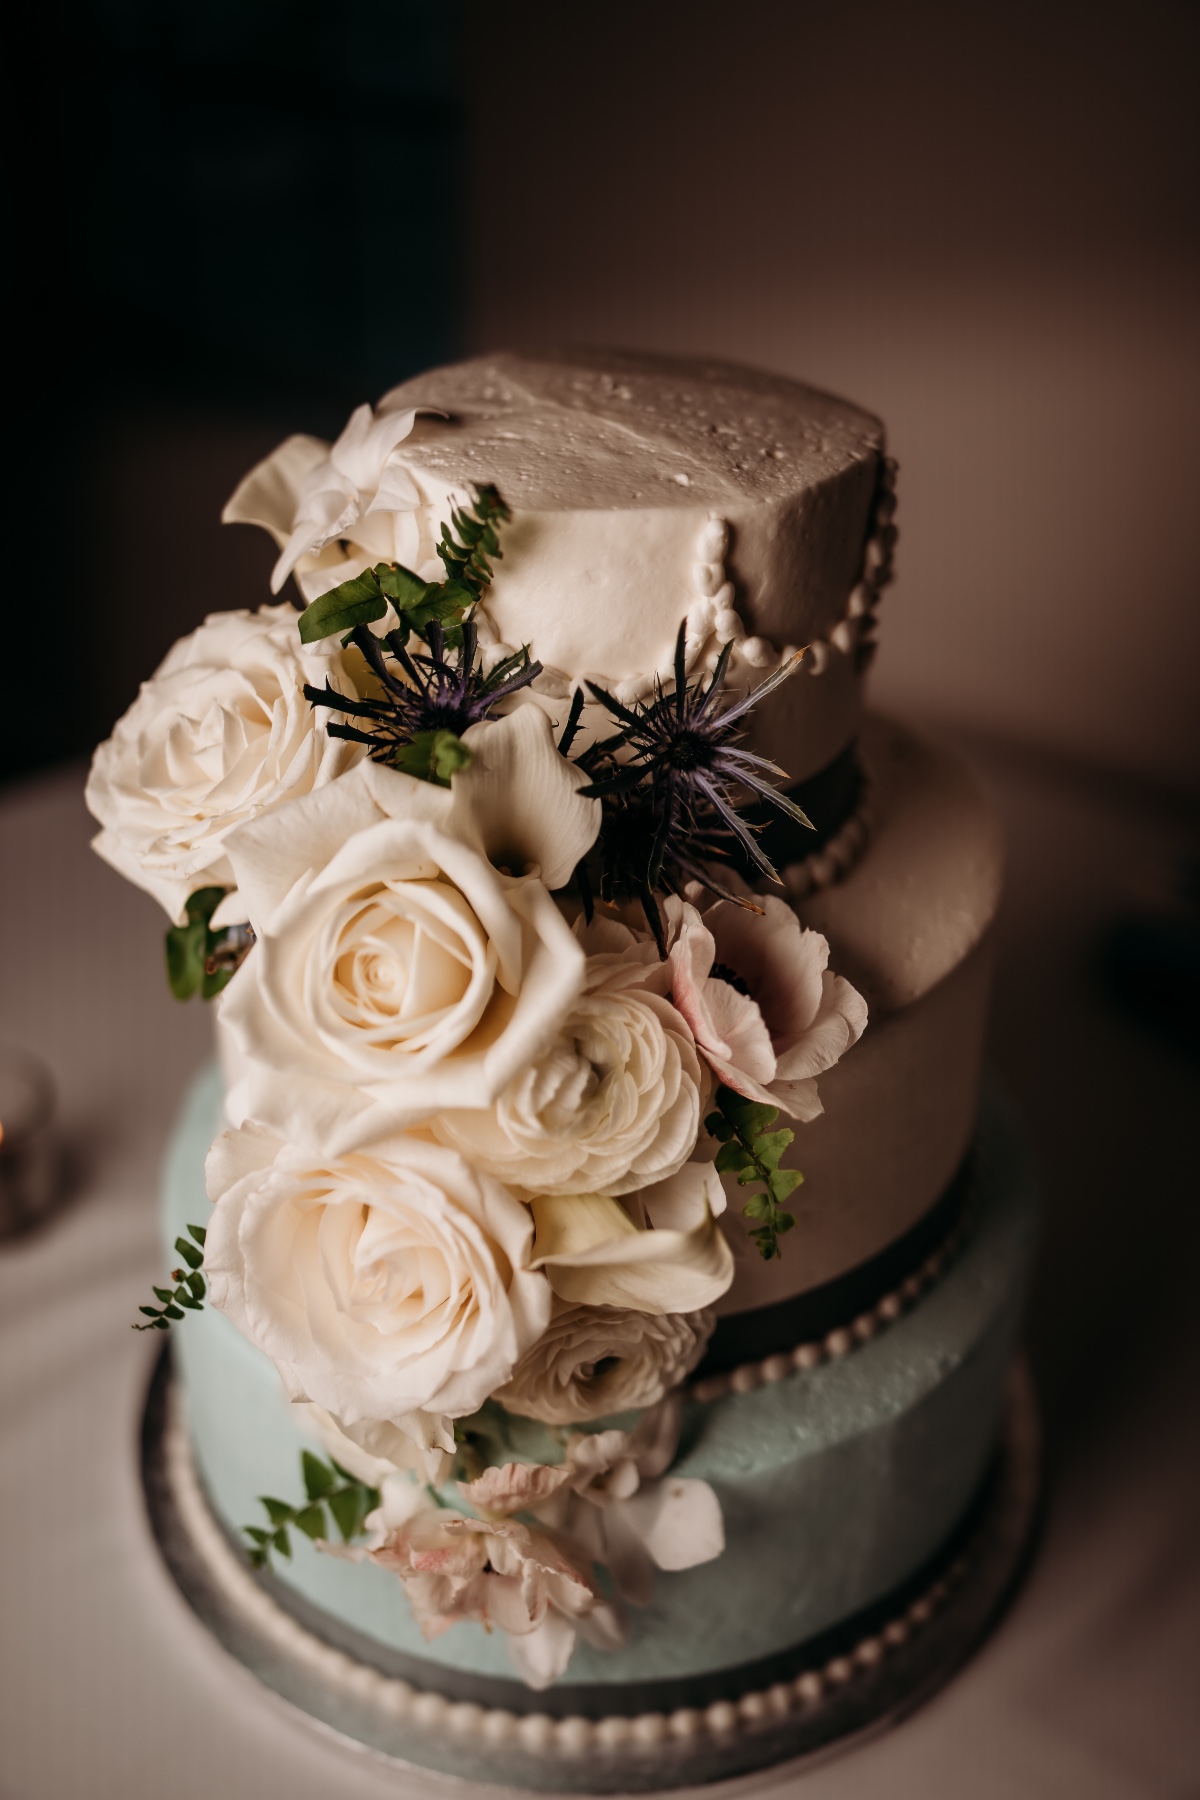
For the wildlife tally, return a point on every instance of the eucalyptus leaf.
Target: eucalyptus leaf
(201, 905)
(318, 1476)
(352, 603)
(186, 955)
(311, 1521)
(770, 1146)
(401, 585)
(732, 1156)
(346, 1505)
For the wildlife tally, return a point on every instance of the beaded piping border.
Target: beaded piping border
(843, 1338)
(844, 849)
(538, 1733)
(714, 621)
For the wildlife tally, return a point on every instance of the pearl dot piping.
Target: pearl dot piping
(853, 635)
(840, 854)
(841, 1341)
(714, 621)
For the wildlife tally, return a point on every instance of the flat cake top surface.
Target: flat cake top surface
(590, 430)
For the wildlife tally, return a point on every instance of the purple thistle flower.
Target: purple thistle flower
(672, 781)
(431, 695)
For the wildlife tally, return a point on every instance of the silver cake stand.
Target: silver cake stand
(338, 1682)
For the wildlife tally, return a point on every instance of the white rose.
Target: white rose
(398, 969)
(613, 1102)
(596, 1360)
(219, 734)
(392, 1286)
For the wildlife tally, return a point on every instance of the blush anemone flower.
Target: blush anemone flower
(767, 1013)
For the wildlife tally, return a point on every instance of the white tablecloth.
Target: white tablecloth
(1087, 1691)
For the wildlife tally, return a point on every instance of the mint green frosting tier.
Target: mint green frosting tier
(836, 1483)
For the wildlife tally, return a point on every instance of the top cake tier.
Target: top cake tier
(649, 490)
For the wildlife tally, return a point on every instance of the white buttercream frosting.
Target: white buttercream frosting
(645, 491)
(610, 548)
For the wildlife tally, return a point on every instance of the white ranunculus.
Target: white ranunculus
(335, 510)
(386, 1286)
(612, 1104)
(659, 1251)
(595, 1360)
(220, 734)
(398, 969)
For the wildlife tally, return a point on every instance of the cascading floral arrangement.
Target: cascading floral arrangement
(504, 1009)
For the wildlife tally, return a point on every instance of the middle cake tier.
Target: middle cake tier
(910, 923)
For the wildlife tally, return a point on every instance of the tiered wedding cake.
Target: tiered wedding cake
(576, 909)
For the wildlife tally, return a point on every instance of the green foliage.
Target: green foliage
(752, 1151)
(359, 601)
(326, 1486)
(188, 947)
(482, 1440)
(188, 1293)
(468, 542)
(432, 756)
(199, 959)
(465, 558)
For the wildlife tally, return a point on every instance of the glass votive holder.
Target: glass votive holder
(27, 1160)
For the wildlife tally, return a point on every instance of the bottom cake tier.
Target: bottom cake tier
(859, 1480)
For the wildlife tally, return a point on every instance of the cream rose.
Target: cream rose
(613, 1102)
(596, 1360)
(399, 970)
(767, 1012)
(220, 734)
(393, 1286)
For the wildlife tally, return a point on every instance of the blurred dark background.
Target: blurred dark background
(235, 219)
(238, 218)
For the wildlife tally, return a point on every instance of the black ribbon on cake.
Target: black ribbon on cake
(828, 798)
(807, 1317)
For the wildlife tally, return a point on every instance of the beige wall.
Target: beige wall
(980, 222)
